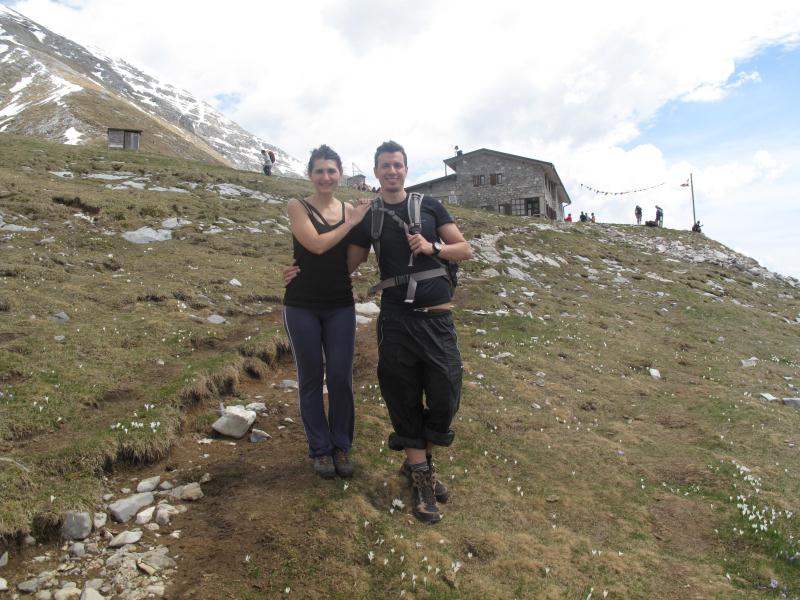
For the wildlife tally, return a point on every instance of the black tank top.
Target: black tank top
(323, 280)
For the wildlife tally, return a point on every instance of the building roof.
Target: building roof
(548, 167)
(418, 186)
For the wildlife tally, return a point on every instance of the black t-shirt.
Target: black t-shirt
(395, 254)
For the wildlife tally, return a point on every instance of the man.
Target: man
(417, 344)
(637, 212)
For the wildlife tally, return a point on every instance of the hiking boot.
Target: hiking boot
(344, 468)
(323, 466)
(423, 499)
(439, 488)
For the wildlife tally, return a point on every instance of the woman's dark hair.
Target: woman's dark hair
(324, 152)
(390, 146)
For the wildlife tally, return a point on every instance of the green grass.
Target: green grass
(590, 477)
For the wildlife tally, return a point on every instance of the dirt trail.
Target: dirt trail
(250, 507)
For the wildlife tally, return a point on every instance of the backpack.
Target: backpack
(445, 269)
(271, 155)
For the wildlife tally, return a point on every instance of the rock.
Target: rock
(156, 590)
(149, 484)
(490, 272)
(100, 520)
(145, 516)
(191, 492)
(3, 585)
(174, 223)
(59, 338)
(793, 402)
(126, 537)
(61, 317)
(205, 478)
(768, 397)
(122, 510)
(3, 560)
(29, 541)
(235, 282)
(515, 273)
(77, 549)
(552, 499)
(146, 235)
(165, 485)
(163, 515)
(749, 362)
(655, 374)
(76, 525)
(257, 436)
(216, 319)
(159, 559)
(362, 320)
(91, 594)
(235, 421)
(257, 407)
(368, 309)
(93, 584)
(66, 594)
(44, 595)
(29, 586)
(288, 384)
(145, 568)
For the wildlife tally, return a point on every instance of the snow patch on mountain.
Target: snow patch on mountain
(73, 136)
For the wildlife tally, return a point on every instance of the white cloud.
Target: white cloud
(712, 92)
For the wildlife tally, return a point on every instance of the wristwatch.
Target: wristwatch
(437, 247)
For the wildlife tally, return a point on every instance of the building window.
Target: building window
(496, 179)
(522, 207)
(478, 180)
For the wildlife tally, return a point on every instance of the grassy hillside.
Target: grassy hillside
(575, 473)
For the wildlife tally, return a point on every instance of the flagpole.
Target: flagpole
(694, 215)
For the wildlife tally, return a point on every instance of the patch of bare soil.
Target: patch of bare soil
(685, 526)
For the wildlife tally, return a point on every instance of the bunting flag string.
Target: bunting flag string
(596, 191)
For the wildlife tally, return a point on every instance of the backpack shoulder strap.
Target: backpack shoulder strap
(415, 212)
(376, 226)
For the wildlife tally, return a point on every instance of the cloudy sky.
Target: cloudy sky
(618, 95)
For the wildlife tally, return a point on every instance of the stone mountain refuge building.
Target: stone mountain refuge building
(500, 182)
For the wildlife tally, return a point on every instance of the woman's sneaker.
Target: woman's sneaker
(344, 468)
(439, 489)
(323, 466)
(423, 500)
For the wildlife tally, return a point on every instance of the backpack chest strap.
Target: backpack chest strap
(411, 279)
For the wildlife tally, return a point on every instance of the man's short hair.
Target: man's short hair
(390, 146)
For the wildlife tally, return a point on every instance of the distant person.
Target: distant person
(584, 218)
(569, 218)
(638, 213)
(319, 314)
(659, 216)
(594, 219)
(268, 158)
(697, 227)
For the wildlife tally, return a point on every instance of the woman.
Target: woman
(319, 314)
